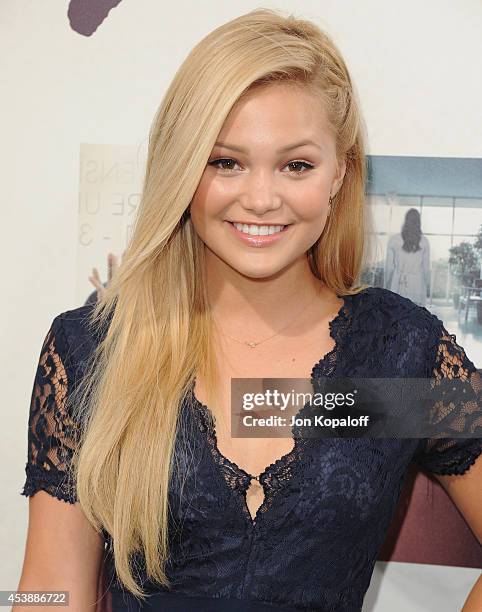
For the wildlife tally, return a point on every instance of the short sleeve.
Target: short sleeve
(52, 433)
(456, 410)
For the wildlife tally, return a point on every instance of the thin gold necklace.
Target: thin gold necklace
(252, 344)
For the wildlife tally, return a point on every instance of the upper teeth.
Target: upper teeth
(258, 230)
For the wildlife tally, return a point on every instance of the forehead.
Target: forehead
(283, 110)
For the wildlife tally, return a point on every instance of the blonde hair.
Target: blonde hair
(158, 336)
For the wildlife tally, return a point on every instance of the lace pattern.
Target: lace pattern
(52, 433)
(272, 478)
(279, 473)
(457, 407)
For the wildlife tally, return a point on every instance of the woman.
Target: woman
(243, 264)
(407, 267)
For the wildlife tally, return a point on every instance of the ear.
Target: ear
(339, 176)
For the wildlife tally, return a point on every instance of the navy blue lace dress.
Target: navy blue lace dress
(328, 502)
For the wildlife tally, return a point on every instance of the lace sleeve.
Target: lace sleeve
(52, 434)
(456, 412)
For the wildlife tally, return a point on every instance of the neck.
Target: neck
(251, 306)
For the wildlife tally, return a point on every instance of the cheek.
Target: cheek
(309, 198)
(210, 198)
(220, 190)
(313, 210)
(312, 206)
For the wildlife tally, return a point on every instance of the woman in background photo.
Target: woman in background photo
(407, 267)
(244, 262)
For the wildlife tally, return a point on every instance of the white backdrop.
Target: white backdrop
(416, 68)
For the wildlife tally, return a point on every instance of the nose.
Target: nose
(260, 194)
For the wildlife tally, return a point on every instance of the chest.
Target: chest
(334, 491)
(287, 359)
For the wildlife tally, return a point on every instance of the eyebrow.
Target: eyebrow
(295, 145)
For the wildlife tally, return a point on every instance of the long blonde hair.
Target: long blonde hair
(158, 336)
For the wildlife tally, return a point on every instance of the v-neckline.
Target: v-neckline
(337, 330)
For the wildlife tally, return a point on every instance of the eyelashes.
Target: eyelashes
(215, 163)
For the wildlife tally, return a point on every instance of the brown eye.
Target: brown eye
(301, 163)
(222, 160)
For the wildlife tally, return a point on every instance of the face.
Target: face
(257, 182)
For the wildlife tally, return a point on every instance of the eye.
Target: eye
(303, 163)
(222, 160)
(228, 160)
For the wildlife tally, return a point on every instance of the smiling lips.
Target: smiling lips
(255, 229)
(258, 235)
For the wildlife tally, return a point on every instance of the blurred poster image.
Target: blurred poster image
(426, 239)
(110, 180)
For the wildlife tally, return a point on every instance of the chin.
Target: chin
(263, 272)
